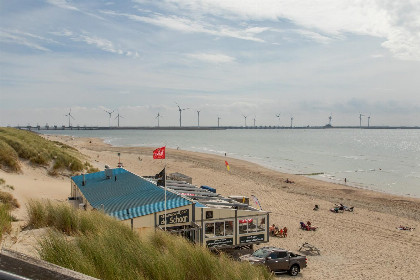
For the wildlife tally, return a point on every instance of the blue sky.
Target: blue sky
(305, 59)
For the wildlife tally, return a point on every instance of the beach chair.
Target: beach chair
(309, 248)
(350, 209)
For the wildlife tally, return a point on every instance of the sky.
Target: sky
(268, 60)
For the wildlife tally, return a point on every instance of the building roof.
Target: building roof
(128, 196)
(205, 198)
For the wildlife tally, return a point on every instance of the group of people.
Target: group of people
(308, 226)
(405, 228)
(276, 231)
(341, 208)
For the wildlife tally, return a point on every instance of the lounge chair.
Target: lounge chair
(350, 209)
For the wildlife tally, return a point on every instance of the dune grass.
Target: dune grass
(18, 144)
(7, 203)
(8, 199)
(98, 245)
(9, 159)
(5, 219)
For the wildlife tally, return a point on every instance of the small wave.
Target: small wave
(351, 157)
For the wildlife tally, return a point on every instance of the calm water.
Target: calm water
(381, 160)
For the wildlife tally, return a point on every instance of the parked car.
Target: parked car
(277, 260)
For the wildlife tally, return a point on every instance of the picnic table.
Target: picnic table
(309, 248)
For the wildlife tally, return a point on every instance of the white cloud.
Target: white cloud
(96, 41)
(397, 22)
(62, 4)
(314, 36)
(212, 57)
(189, 26)
(21, 38)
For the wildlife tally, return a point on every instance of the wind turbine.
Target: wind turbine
(180, 111)
(330, 118)
(158, 116)
(291, 121)
(369, 121)
(218, 119)
(119, 116)
(245, 119)
(254, 120)
(198, 112)
(278, 116)
(110, 113)
(360, 118)
(70, 116)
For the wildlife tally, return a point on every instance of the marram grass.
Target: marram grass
(98, 245)
(18, 144)
(5, 219)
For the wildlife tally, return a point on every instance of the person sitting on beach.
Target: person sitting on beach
(308, 223)
(285, 232)
(316, 208)
(271, 229)
(288, 181)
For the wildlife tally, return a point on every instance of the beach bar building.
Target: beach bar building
(198, 214)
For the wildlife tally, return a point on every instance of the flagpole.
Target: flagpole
(164, 183)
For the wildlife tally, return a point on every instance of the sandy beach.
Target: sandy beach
(363, 244)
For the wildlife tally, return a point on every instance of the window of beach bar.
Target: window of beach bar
(251, 224)
(219, 228)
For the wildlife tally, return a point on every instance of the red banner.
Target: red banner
(245, 221)
(159, 153)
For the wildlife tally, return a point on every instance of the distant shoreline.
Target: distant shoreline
(53, 128)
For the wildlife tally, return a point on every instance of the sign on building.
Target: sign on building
(219, 242)
(251, 238)
(176, 217)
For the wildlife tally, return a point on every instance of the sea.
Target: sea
(383, 160)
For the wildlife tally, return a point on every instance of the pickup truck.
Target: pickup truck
(277, 260)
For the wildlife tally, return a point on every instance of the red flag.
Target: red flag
(159, 153)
